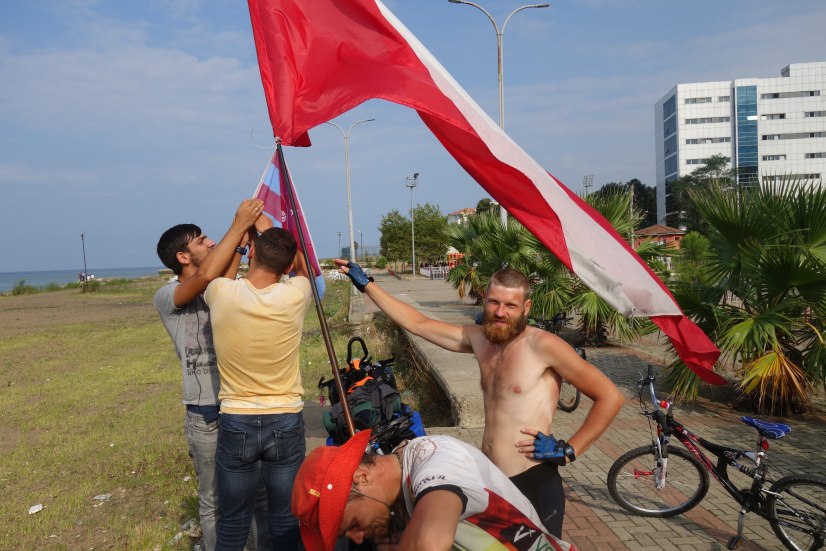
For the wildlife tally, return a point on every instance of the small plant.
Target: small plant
(20, 288)
(381, 263)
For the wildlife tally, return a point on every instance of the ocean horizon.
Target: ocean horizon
(61, 277)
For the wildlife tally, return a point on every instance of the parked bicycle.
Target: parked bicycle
(569, 395)
(662, 481)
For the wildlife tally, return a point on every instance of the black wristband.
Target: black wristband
(241, 250)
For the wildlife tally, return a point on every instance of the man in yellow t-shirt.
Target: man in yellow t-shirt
(256, 327)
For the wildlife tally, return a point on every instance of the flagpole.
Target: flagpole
(322, 320)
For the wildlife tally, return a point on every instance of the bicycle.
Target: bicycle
(569, 395)
(663, 481)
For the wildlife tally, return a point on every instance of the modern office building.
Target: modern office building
(770, 128)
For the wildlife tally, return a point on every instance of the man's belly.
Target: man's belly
(503, 431)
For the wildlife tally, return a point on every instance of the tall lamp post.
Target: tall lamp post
(411, 183)
(500, 66)
(85, 271)
(346, 136)
(361, 244)
(339, 244)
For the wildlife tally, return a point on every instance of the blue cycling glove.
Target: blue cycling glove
(357, 275)
(548, 449)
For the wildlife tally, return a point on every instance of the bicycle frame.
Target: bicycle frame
(726, 456)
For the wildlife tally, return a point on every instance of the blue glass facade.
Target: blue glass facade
(747, 134)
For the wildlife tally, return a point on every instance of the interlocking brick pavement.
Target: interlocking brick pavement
(593, 520)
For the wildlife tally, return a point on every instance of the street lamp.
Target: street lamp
(411, 183)
(500, 65)
(339, 245)
(361, 244)
(85, 270)
(346, 136)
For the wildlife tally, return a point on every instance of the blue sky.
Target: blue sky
(120, 119)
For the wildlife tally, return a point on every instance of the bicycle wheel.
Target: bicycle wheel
(568, 397)
(797, 511)
(632, 483)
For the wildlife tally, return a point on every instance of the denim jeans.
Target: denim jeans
(250, 447)
(202, 439)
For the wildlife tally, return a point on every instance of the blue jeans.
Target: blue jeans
(251, 447)
(202, 440)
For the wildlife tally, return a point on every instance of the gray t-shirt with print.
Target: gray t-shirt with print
(191, 332)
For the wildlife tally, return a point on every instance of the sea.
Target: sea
(39, 279)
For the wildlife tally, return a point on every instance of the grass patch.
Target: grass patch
(94, 407)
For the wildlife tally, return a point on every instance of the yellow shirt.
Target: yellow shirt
(257, 333)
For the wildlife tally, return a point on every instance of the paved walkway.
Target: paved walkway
(593, 520)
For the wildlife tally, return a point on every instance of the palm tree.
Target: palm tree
(488, 247)
(762, 294)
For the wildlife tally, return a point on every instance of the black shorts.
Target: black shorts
(542, 485)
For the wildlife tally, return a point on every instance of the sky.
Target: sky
(121, 119)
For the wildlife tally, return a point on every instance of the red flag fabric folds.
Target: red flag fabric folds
(321, 58)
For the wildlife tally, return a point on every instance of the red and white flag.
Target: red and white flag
(321, 58)
(276, 204)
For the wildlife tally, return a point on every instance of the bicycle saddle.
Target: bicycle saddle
(767, 429)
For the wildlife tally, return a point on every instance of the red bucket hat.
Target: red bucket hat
(321, 489)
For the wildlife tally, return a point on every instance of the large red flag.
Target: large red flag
(321, 58)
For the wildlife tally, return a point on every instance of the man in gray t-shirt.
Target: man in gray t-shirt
(196, 260)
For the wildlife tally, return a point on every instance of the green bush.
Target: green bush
(381, 263)
(20, 288)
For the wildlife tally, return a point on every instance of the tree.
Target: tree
(644, 199)
(483, 206)
(488, 247)
(395, 236)
(691, 262)
(431, 233)
(762, 296)
(681, 211)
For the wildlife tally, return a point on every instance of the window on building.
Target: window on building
(815, 155)
(669, 107)
(791, 177)
(671, 164)
(694, 141)
(697, 100)
(811, 114)
(706, 120)
(794, 136)
(670, 126)
(773, 116)
(722, 99)
(783, 95)
(670, 145)
(774, 157)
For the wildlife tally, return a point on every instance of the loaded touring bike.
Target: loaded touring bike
(660, 480)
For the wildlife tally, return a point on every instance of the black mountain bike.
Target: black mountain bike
(569, 395)
(662, 481)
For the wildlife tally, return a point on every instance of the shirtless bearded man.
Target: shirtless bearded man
(521, 368)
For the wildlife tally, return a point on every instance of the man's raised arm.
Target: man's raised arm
(448, 336)
(217, 262)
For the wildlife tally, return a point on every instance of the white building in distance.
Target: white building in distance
(770, 128)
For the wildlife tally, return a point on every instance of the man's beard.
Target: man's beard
(503, 335)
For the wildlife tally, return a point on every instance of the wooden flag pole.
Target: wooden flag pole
(322, 320)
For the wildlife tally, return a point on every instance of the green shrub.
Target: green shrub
(20, 288)
(381, 263)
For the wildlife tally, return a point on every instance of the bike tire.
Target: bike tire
(796, 508)
(631, 483)
(569, 397)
